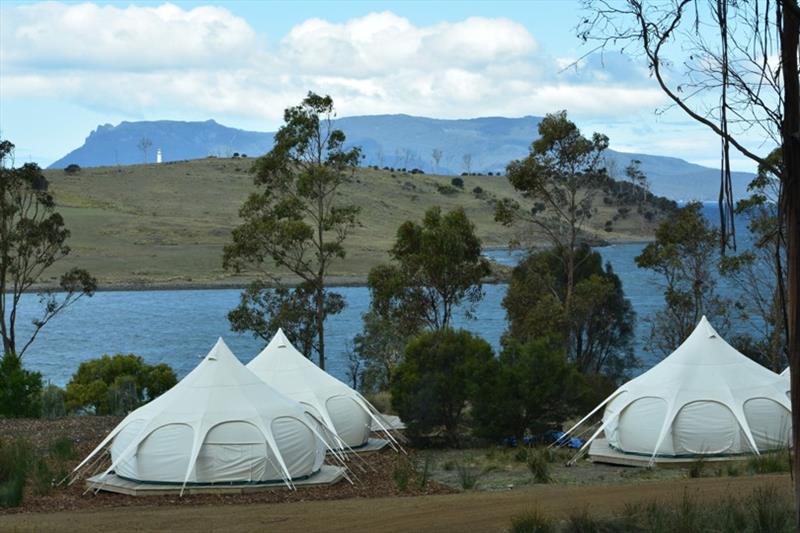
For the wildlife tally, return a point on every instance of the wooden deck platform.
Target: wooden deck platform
(601, 452)
(327, 475)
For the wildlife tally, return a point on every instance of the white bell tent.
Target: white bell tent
(219, 424)
(351, 416)
(704, 399)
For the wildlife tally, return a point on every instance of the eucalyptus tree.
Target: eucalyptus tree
(33, 237)
(297, 221)
(437, 267)
(737, 72)
(561, 175)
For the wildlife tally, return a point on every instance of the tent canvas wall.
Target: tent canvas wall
(705, 398)
(283, 367)
(219, 424)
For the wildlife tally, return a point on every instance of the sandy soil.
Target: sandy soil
(470, 511)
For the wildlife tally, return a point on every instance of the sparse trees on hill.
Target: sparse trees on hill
(144, 146)
(467, 160)
(436, 154)
(297, 222)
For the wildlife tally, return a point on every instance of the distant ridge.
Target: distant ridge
(489, 144)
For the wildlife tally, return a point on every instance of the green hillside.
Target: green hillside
(167, 223)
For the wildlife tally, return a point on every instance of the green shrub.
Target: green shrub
(402, 475)
(72, 168)
(11, 491)
(53, 402)
(16, 459)
(527, 392)
(697, 467)
(62, 449)
(446, 189)
(424, 473)
(770, 463)
(769, 512)
(732, 469)
(441, 368)
(468, 476)
(115, 385)
(457, 182)
(539, 465)
(20, 390)
(532, 522)
(42, 478)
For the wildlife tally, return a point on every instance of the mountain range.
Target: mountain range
(482, 145)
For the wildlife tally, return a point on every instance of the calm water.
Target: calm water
(179, 327)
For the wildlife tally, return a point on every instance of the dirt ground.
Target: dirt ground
(393, 492)
(469, 511)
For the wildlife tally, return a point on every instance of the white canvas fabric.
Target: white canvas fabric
(705, 398)
(283, 367)
(219, 424)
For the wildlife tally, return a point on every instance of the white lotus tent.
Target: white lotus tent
(283, 367)
(219, 424)
(705, 398)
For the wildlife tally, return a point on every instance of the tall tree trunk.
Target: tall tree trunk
(321, 323)
(791, 214)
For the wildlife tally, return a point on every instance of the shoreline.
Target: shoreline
(500, 275)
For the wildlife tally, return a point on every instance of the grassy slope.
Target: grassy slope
(168, 223)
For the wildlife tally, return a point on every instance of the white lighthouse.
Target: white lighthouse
(158, 155)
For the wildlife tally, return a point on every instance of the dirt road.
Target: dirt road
(472, 512)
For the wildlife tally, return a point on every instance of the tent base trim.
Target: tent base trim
(601, 451)
(327, 475)
(371, 446)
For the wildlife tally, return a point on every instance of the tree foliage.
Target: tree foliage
(20, 389)
(760, 273)
(562, 173)
(264, 308)
(297, 222)
(380, 347)
(441, 372)
(533, 390)
(32, 238)
(685, 256)
(597, 332)
(437, 266)
(117, 384)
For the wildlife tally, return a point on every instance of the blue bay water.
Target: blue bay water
(179, 327)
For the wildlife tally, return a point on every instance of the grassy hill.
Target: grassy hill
(167, 224)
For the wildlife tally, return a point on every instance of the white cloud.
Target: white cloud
(161, 61)
(55, 35)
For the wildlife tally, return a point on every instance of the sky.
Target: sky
(66, 68)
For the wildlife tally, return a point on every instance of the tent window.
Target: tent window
(706, 427)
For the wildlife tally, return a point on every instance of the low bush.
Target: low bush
(20, 389)
(446, 189)
(402, 475)
(532, 522)
(53, 402)
(115, 385)
(16, 459)
(62, 449)
(467, 476)
(770, 463)
(539, 465)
